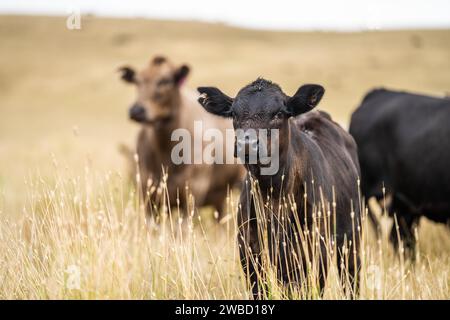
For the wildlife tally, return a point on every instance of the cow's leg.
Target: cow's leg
(374, 222)
(406, 222)
(251, 266)
(315, 284)
(216, 197)
(249, 245)
(323, 271)
(349, 273)
(250, 256)
(348, 261)
(144, 193)
(371, 186)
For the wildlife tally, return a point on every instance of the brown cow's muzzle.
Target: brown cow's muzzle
(137, 113)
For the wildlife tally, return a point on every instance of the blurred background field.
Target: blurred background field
(61, 99)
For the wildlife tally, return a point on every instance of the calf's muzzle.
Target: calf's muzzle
(246, 145)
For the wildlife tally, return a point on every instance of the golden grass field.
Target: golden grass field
(64, 196)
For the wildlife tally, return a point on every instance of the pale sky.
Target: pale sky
(344, 15)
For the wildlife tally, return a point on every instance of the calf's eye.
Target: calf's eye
(279, 115)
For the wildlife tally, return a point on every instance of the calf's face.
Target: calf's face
(157, 90)
(260, 105)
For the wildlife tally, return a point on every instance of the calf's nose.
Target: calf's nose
(137, 112)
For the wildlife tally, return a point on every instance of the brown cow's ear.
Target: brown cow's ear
(127, 74)
(180, 74)
(305, 99)
(215, 101)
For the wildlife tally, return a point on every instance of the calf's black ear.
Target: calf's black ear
(215, 101)
(180, 74)
(127, 74)
(305, 99)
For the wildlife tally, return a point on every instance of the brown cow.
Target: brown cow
(163, 105)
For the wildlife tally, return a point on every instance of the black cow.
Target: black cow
(404, 143)
(315, 155)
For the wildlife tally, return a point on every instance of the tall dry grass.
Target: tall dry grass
(94, 226)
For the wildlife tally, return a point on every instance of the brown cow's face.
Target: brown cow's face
(157, 90)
